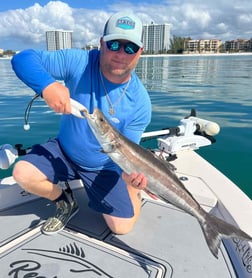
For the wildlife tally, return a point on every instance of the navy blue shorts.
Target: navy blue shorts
(106, 190)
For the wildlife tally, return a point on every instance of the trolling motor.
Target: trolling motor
(191, 134)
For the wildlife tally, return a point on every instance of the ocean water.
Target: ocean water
(218, 87)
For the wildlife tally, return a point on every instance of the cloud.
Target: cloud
(29, 25)
(226, 19)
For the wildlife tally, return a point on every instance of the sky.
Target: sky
(23, 23)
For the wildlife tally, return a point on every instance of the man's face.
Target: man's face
(117, 65)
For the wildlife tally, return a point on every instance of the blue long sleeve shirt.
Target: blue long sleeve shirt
(80, 72)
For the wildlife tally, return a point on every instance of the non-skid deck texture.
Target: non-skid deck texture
(164, 243)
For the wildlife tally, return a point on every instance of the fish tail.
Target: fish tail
(214, 229)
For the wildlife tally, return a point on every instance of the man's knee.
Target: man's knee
(119, 226)
(19, 172)
(26, 174)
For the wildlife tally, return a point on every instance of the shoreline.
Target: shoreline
(197, 54)
(179, 55)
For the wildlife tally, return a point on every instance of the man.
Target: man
(103, 79)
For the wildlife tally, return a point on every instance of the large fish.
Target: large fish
(162, 181)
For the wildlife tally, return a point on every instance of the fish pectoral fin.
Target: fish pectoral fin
(108, 150)
(109, 147)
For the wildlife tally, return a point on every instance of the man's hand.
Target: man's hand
(57, 98)
(138, 181)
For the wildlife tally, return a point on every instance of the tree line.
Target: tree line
(177, 45)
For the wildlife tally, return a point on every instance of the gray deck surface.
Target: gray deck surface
(164, 243)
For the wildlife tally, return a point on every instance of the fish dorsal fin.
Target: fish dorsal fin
(170, 166)
(166, 163)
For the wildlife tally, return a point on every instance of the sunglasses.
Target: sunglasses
(129, 47)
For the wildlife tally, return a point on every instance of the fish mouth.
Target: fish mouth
(91, 116)
(87, 115)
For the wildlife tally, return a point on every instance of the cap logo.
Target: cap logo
(125, 23)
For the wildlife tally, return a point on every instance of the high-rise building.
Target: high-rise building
(59, 39)
(156, 38)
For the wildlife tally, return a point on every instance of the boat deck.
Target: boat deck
(165, 242)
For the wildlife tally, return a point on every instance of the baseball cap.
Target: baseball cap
(124, 26)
